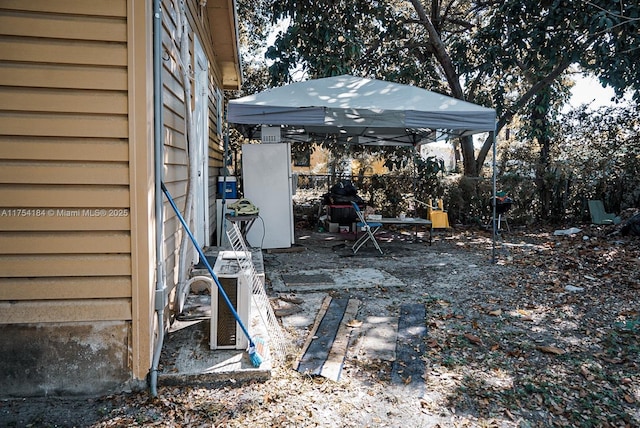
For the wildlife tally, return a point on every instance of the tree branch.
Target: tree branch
(440, 52)
(522, 101)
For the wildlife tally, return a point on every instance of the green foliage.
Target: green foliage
(594, 155)
(514, 56)
(527, 41)
(504, 52)
(602, 150)
(408, 178)
(468, 199)
(324, 38)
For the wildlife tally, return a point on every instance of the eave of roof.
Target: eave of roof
(224, 34)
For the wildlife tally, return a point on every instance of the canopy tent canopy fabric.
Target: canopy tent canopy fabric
(361, 111)
(364, 111)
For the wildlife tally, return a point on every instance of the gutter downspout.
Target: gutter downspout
(158, 125)
(184, 264)
(224, 180)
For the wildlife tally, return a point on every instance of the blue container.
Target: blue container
(231, 188)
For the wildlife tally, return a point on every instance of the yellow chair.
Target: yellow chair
(438, 216)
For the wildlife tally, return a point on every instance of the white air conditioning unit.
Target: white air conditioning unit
(226, 333)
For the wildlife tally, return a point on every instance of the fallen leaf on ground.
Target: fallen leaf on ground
(432, 343)
(286, 311)
(550, 350)
(291, 299)
(473, 339)
(354, 323)
(496, 313)
(586, 373)
(509, 414)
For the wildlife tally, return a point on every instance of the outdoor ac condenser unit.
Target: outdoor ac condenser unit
(225, 331)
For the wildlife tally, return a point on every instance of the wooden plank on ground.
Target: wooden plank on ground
(338, 352)
(323, 310)
(318, 350)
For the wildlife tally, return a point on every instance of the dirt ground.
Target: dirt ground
(545, 336)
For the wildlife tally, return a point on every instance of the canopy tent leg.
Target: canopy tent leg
(493, 214)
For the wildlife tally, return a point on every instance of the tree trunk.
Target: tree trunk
(473, 167)
(468, 157)
(539, 118)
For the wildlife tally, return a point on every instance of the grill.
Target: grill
(503, 204)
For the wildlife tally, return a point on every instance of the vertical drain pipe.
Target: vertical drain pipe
(190, 144)
(158, 166)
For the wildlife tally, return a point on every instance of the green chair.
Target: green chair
(599, 215)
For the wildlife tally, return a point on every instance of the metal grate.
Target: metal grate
(277, 343)
(226, 325)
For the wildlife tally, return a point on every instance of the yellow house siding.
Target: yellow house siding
(62, 265)
(107, 8)
(65, 200)
(57, 51)
(65, 173)
(67, 26)
(65, 288)
(214, 161)
(64, 223)
(69, 242)
(58, 100)
(70, 196)
(62, 76)
(77, 253)
(71, 125)
(52, 149)
(176, 172)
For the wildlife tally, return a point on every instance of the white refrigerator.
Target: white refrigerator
(267, 183)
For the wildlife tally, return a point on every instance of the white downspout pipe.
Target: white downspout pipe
(191, 151)
(158, 125)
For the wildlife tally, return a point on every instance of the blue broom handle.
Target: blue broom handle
(206, 263)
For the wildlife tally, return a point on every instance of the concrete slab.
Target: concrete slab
(187, 357)
(304, 319)
(377, 339)
(188, 360)
(343, 278)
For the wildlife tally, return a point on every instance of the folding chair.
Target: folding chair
(369, 229)
(599, 215)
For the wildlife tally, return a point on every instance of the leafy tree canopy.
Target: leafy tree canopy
(494, 53)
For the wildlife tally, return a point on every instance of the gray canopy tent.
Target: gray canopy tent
(363, 111)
